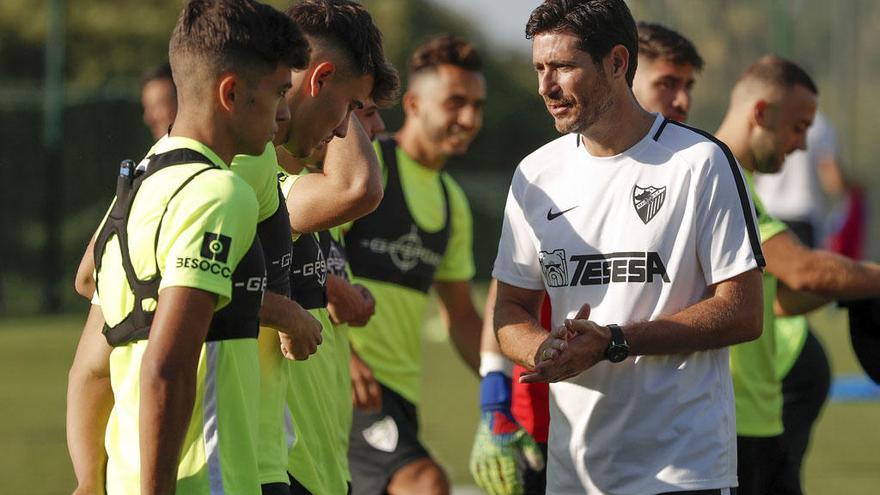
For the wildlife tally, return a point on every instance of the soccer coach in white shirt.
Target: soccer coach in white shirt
(642, 232)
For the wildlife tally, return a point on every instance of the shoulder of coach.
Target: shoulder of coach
(695, 146)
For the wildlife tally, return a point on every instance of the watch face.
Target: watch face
(617, 353)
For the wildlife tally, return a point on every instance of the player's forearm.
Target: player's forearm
(89, 402)
(791, 302)
(465, 332)
(461, 318)
(337, 289)
(349, 187)
(834, 276)
(731, 315)
(276, 311)
(168, 377)
(822, 272)
(488, 341)
(166, 403)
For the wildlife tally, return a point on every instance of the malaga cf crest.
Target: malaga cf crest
(648, 201)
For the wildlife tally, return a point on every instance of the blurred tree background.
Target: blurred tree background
(52, 200)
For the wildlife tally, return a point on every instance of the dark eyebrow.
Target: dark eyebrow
(562, 63)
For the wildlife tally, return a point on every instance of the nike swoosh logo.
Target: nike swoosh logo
(551, 216)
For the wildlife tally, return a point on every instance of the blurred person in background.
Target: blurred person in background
(514, 415)
(159, 99)
(771, 107)
(798, 196)
(668, 64)
(419, 237)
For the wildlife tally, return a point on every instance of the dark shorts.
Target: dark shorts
(381, 443)
(536, 481)
(296, 487)
(760, 460)
(275, 489)
(805, 390)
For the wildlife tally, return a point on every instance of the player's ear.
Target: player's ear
(320, 76)
(226, 91)
(410, 103)
(762, 113)
(618, 61)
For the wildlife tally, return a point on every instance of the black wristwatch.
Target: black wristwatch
(618, 349)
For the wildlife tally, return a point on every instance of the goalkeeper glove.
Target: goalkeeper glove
(502, 450)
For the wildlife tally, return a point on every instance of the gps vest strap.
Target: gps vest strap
(274, 234)
(388, 245)
(337, 259)
(240, 319)
(136, 325)
(308, 272)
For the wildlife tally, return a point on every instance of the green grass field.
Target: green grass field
(35, 354)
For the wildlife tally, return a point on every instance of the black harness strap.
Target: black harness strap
(136, 325)
(387, 244)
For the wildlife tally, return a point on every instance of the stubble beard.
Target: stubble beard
(583, 121)
(767, 160)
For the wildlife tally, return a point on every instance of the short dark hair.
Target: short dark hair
(600, 25)
(657, 41)
(348, 26)
(779, 72)
(386, 85)
(445, 50)
(243, 36)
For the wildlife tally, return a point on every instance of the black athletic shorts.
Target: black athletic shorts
(296, 487)
(383, 442)
(275, 489)
(760, 460)
(536, 481)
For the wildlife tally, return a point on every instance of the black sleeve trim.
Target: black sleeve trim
(747, 208)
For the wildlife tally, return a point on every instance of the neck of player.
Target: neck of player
(206, 131)
(736, 137)
(618, 129)
(419, 149)
(291, 164)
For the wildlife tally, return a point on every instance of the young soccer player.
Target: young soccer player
(197, 294)
(418, 238)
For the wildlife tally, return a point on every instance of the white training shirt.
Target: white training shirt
(637, 236)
